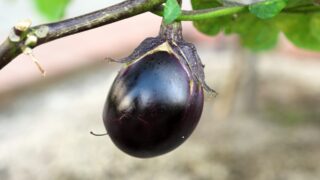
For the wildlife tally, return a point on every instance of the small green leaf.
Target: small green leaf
(52, 9)
(172, 10)
(267, 9)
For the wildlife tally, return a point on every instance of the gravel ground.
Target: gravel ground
(44, 134)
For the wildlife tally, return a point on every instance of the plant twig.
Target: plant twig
(17, 40)
(202, 14)
(194, 15)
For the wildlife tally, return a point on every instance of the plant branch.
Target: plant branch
(304, 9)
(195, 15)
(22, 38)
(19, 39)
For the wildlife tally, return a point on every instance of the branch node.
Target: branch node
(19, 30)
(110, 60)
(23, 25)
(22, 34)
(42, 31)
(13, 37)
(31, 40)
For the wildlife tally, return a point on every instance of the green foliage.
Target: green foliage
(301, 29)
(172, 10)
(267, 9)
(255, 33)
(210, 26)
(259, 27)
(295, 3)
(52, 9)
(315, 26)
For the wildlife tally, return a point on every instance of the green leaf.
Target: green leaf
(212, 26)
(298, 28)
(172, 10)
(209, 26)
(255, 33)
(204, 4)
(315, 26)
(267, 9)
(294, 3)
(52, 9)
(259, 29)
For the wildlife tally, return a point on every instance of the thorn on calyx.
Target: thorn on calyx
(104, 134)
(110, 60)
(212, 93)
(28, 51)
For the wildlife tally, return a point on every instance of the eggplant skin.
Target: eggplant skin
(153, 106)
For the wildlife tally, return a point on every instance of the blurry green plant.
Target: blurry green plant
(260, 25)
(52, 9)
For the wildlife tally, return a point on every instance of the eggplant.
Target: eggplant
(156, 100)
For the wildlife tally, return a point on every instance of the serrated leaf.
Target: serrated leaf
(52, 9)
(172, 10)
(267, 9)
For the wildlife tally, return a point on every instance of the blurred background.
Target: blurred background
(263, 125)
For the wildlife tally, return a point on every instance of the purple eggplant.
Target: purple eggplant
(156, 100)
